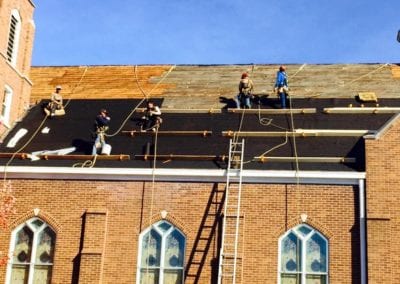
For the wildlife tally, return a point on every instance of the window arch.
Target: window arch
(13, 37)
(303, 256)
(31, 253)
(161, 254)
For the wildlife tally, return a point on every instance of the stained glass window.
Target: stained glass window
(303, 256)
(32, 251)
(162, 253)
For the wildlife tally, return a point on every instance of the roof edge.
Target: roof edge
(384, 129)
(183, 175)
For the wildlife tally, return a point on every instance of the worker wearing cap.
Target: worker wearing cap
(101, 126)
(56, 101)
(281, 85)
(152, 118)
(245, 88)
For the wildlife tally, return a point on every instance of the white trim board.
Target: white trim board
(183, 175)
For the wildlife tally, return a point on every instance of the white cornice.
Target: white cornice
(182, 175)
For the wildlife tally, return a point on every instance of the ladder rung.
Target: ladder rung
(228, 254)
(231, 255)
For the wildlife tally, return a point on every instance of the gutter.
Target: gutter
(182, 175)
(363, 234)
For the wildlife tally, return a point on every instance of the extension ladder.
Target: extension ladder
(228, 257)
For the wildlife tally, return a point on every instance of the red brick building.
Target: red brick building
(318, 185)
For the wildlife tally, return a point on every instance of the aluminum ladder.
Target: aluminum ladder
(228, 256)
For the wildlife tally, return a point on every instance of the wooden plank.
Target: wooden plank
(182, 157)
(274, 111)
(300, 133)
(15, 155)
(23, 156)
(256, 159)
(344, 160)
(181, 110)
(203, 133)
(120, 157)
(362, 110)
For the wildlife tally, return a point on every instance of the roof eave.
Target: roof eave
(183, 175)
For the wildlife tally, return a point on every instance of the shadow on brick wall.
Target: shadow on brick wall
(206, 243)
(77, 259)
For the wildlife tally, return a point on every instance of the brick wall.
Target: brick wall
(123, 209)
(16, 76)
(383, 214)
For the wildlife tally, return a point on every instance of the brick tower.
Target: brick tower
(17, 30)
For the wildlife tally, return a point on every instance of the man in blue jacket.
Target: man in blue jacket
(101, 126)
(281, 85)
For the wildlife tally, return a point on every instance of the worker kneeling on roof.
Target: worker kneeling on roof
(55, 106)
(281, 85)
(101, 126)
(245, 92)
(152, 118)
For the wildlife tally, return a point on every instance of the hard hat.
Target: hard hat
(58, 87)
(282, 68)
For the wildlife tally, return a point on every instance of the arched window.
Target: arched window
(6, 105)
(31, 253)
(303, 256)
(13, 37)
(161, 254)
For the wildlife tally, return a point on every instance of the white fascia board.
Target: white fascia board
(183, 175)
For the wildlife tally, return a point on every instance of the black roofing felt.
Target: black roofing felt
(75, 129)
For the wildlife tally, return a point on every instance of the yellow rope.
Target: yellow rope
(153, 179)
(354, 80)
(146, 96)
(37, 130)
(141, 101)
(295, 144)
(76, 85)
(138, 84)
(86, 164)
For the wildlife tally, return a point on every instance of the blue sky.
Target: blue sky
(101, 32)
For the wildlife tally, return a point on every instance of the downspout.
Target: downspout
(363, 240)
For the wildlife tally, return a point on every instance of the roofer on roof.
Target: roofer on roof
(281, 85)
(101, 126)
(152, 118)
(56, 102)
(245, 88)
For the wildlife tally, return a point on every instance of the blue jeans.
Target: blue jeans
(98, 142)
(244, 100)
(282, 98)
